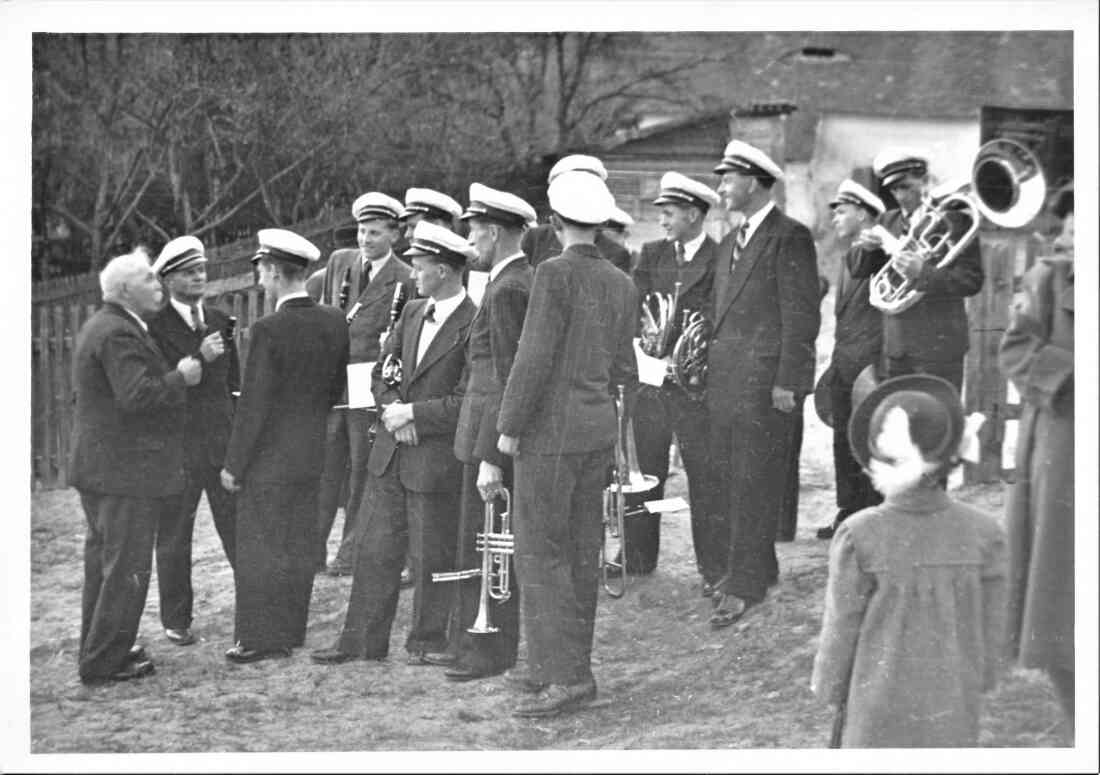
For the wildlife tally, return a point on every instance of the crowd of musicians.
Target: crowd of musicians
(514, 402)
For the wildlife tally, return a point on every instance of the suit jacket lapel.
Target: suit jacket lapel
(696, 269)
(448, 335)
(378, 287)
(757, 246)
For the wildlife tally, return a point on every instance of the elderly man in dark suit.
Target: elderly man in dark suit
(761, 366)
(558, 420)
(858, 344)
(497, 221)
(186, 326)
(294, 374)
(362, 283)
(127, 462)
(682, 268)
(414, 479)
(933, 335)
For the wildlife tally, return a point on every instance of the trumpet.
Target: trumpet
(1006, 186)
(627, 479)
(658, 320)
(497, 546)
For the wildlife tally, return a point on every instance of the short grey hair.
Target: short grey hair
(120, 269)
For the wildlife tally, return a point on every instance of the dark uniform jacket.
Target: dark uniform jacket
(209, 412)
(434, 386)
(577, 344)
(490, 351)
(858, 324)
(766, 317)
(128, 435)
(295, 372)
(657, 271)
(935, 328)
(540, 243)
(374, 311)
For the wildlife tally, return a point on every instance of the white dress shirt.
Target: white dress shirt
(444, 308)
(756, 218)
(496, 270)
(289, 296)
(185, 312)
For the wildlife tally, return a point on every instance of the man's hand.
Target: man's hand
(191, 369)
(783, 399)
(867, 239)
(406, 434)
(508, 445)
(397, 414)
(229, 481)
(212, 347)
(490, 480)
(909, 264)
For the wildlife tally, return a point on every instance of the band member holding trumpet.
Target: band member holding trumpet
(933, 335)
(497, 221)
(413, 477)
(858, 344)
(558, 420)
(361, 282)
(760, 366)
(678, 273)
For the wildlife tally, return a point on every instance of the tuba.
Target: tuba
(497, 545)
(658, 320)
(1006, 186)
(627, 479)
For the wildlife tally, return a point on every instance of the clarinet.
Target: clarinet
(391, 366)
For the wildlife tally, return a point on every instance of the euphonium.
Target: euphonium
(1006, 186)
(497, 545)
(658, 320)
(689, 355)
(627, 479)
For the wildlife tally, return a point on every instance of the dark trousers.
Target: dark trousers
(951, 370)
(360, 440)
(787, 524)
(559, 527)
(753, 448)
(658, 413)
(853, 487)
(393, 521)
(118, 556)
(492, 652)
(333, 491)
(174, 537)
(276, 539)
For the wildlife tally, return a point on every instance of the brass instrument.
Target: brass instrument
(497, 545)
(658, 320)
(1006, 186)
(391, 365)
(689, 355)
(627, 479)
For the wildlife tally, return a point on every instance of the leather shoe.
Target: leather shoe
(406, 578)
(708, 589)
(181, 636)
(138, 653)
(336, 569)
(555, 699)
(461, 674)
(519, 678)
(128, 672)
(331, 656)
(243, 655)
(727, 610)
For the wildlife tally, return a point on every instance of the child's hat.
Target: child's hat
(935, 414)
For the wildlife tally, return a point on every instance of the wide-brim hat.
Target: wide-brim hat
(441, 243)
(180, 253)
(936, 421)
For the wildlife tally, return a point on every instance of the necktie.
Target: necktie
(429, 313)
(739, 243)
(678, 247)
(196, 321)
(364, 278)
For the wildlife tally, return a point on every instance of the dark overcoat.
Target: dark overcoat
(541, 243)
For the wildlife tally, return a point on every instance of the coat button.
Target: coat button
(714, 341)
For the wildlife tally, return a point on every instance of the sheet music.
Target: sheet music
(359, 393)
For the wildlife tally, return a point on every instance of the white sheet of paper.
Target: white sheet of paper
(667, 504)
(651, 371)
(359, 395)
(475, 285)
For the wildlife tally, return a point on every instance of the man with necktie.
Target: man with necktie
(364, 279)
(295, 373)
(760, 367)
(127, 462)
(683, 260)
(186, 326)
(413, 476)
